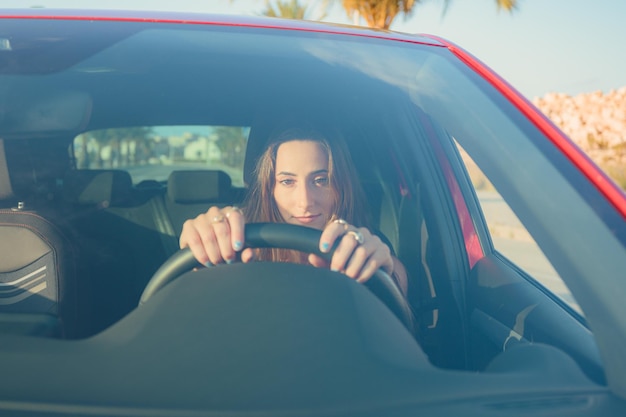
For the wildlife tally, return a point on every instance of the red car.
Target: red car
(117, 126)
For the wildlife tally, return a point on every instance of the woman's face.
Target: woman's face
(302, 189)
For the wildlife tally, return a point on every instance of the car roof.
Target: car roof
(217, 19)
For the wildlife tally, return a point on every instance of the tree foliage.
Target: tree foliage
(91, 147)
(293, 9)
(232, 143)
(376, 13)
(381, 13)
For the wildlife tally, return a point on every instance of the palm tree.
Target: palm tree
(291, 9)
(232, 141)
(376, 13)
(381, 13)
(113, 139)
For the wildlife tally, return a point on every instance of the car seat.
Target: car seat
(190, 193)
(37, 268)
(118, 244)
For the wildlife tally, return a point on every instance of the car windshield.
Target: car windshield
(119, 131)
(141, 107)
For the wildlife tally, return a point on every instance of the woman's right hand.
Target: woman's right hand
(216, 236)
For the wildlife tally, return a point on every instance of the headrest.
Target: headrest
(101, 187)
(201, 186)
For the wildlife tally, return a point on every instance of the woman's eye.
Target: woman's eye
(321, 181)
(287, 181)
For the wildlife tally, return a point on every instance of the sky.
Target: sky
(563, 46)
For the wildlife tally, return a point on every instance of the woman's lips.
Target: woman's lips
(307, 219)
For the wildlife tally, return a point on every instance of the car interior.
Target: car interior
(91, 240)
(103, 236)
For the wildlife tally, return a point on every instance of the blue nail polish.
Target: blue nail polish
(208, 264)
(325, 246)
(334, 269)
(229, 261)
(237, 245)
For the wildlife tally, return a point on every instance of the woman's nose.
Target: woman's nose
(305, 196)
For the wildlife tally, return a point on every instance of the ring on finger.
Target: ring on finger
(358, 236)
(232, 209)
(217, 219)
(342, 222)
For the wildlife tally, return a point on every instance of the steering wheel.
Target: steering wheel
(286, 236)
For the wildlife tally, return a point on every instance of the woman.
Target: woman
(306, 180)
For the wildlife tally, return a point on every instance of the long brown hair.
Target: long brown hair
(348, 201)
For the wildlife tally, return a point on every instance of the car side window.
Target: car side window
(509, 236)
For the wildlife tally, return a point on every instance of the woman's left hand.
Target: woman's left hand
(359, 253)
